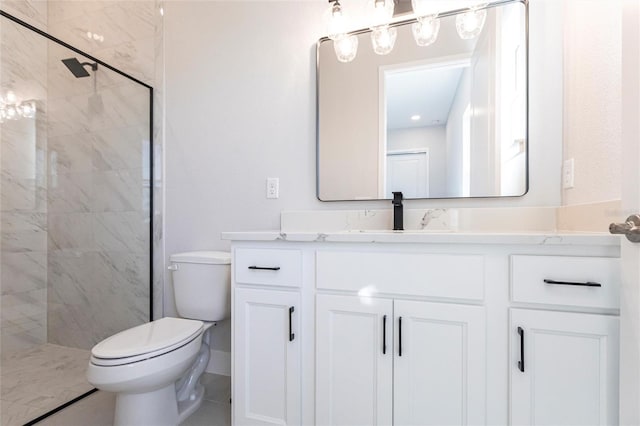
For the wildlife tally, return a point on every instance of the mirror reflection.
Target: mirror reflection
(440, 121)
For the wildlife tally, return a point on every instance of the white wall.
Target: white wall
(592, 88)
(240, 107)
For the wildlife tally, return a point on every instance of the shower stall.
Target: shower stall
(75, 215)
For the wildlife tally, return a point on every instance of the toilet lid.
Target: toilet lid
(157, 336)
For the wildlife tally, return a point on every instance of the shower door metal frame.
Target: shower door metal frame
(151, 176)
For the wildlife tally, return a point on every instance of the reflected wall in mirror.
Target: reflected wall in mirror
(447, 120)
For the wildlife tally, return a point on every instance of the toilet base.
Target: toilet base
(188, 407)
(157, 408)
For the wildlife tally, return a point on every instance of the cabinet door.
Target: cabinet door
(266, 358)
(570, 364)
(353, 366)
(439, 364)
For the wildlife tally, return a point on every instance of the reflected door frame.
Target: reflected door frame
(452, 61)
(630, 204)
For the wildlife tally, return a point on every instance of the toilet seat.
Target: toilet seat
(146, 341)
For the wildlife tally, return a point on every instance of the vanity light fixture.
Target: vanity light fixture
(470, 23)
(11, 109)
(426, 29)
(383, 39)
(345, 45)
(383, 36)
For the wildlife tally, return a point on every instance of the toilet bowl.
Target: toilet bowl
(154, 368)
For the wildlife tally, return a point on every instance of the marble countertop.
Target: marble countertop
(384, 236)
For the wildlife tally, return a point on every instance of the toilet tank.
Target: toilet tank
(202, 284)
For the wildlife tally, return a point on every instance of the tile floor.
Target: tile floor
(97, 409)
(40, 379)
(35, 381)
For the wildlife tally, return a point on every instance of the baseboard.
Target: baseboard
(219, 363)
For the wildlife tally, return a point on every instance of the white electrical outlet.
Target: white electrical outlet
(273, 187)
(568, 174)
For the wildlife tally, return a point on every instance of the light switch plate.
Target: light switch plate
(568, 174)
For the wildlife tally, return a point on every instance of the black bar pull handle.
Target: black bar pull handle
(265, 268)
(291, 335)
(521, 362)
(586, 284)
(384, 334)
(399, 336)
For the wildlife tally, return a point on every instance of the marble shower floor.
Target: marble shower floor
(35, 381)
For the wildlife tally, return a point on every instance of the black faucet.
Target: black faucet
(397, 211)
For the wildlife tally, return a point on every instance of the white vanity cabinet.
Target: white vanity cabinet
(382, 358)
(382, 361)
(266, 342)
(413, 329)
(439, 377)
(564, 365)
(354, 360)
(564, 368)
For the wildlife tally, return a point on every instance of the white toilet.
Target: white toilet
(154, 368)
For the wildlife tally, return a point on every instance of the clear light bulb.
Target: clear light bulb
(470, 23)
(383, 39)
(346, 47)
(426, 30)
(379, 12)
(336, 21)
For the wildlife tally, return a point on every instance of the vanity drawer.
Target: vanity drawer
(592, 282)
(268, 267)
(411, 274)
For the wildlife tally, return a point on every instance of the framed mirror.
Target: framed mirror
(447, 120)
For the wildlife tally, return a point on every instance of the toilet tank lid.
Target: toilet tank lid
(209, 257)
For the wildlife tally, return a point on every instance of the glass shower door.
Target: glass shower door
(75, 215)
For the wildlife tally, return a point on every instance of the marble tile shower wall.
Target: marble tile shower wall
(23, 206)
(99, 186)
(81, 250)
